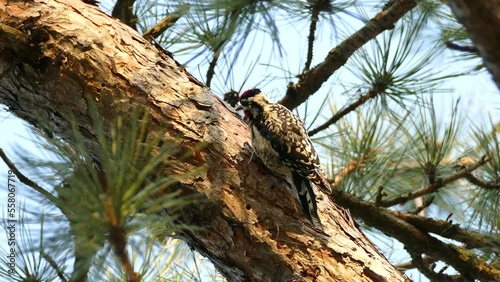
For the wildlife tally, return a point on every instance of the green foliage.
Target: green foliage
(485, 202)
(110, 208)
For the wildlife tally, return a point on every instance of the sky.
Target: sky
(479, 96)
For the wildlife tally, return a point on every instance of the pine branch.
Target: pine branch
(118, 239)
(25, 180)
(363, 99)
(485, 185)
(449, 230)
(415, 240)
(54, 265)
(431, 188)
(213, 63)
(166, 22)
(351, 167)
(411, 265)
(425, 205)
(426, 268)
(454, 46)
(315, 10)
(117, 232)
(312, 80)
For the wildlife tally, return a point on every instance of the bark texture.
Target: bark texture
(55, 54)
(481, 18)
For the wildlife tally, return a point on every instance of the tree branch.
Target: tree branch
(351, 166)
(166, 22)
(211, 67)
(485, 185)
(316, 8)
(312, 80)
(54, 265)
(415, 240)
(431, 188)
(363, 99)
(411, 265)
(248, 227)
(426, 268)
(454, 46)
(449, 230)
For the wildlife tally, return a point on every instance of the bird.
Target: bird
(280, 140)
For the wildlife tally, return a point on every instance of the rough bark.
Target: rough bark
(481, 18)
(55, 54)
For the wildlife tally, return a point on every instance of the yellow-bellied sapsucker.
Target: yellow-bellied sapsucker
(281, 141)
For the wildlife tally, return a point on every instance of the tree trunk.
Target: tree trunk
(55, 54)
(481, 18)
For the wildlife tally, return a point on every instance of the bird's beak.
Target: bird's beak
(239, 108)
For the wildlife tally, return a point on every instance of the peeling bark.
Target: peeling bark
(55, 54)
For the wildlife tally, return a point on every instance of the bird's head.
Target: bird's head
(252, 101)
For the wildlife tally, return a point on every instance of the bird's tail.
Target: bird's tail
(306, 196)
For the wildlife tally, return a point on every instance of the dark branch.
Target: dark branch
(431, 188)
(449, 230)
(454, 46)
(312, 80)
(410, 264)
(485, 185)
(211, 66)
(379, 195)
(363, 99)
(426, 204)
(124, 11)
(427, 268)
(414, 239)
(54, 265)
(310, 38)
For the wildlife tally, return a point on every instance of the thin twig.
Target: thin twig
(310, 39)
(166, 22)
(54, 265)
(312, 80)
(363, 99)
(213, 63)
(423, 206)
(124, 11)
(379, 195)
(454, 46)
(426, 268)
(351, 166)
(26, 180)
(431, 188)
(119, 242)
(410, 265)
